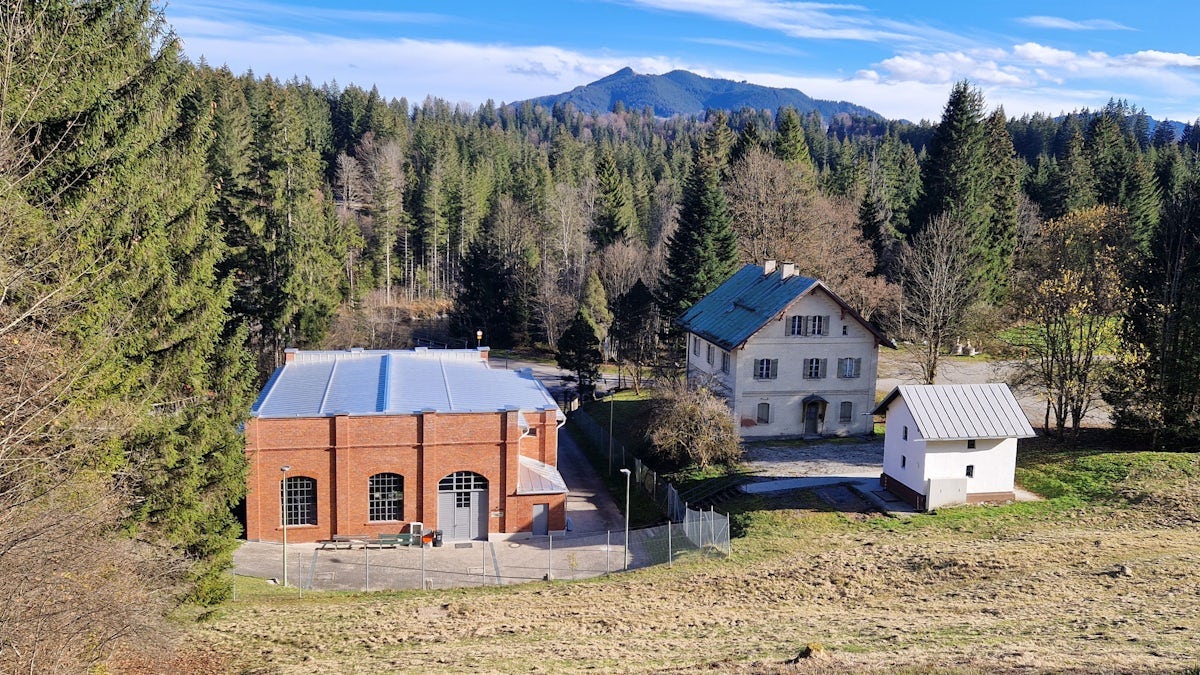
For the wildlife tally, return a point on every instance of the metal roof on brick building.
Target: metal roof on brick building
(953, 412)
(395, 382)
(754, 295)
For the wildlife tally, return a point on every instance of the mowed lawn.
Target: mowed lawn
(1103, 576)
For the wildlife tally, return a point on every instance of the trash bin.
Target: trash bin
(437, 537)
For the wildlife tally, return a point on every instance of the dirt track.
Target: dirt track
(900, 366)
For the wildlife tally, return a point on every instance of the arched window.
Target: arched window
(298, 500)
(462, 480)
(386, 492)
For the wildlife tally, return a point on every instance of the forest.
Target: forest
(170, 227)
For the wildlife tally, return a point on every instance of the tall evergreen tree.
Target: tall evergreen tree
(1001, 230)
(579, 352)
(790, 142)
(702, 252)
(955, 176)
(616, 217)
(120, 386)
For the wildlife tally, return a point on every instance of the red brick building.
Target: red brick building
(365, 442)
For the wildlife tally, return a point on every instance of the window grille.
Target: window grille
(298, 500)
(386, 492)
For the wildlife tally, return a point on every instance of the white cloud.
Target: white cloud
(1068, 24)
(808, 20)
(1042, 55)
(454, 71)
(1156, 59)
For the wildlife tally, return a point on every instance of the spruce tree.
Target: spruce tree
(1001, 230)
(702, 252)
(955, 176)
(616, 217)
(579, 352)
(122, 305)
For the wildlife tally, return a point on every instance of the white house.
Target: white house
(789, 355)
(949, 444)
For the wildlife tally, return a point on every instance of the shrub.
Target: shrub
(689, 425)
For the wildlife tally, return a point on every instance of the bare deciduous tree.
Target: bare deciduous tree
(1072, 293)
(936, 270)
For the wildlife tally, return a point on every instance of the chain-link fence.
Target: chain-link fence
(486, 563)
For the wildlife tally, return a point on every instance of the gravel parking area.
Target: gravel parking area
(842, 457)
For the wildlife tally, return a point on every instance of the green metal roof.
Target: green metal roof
(736, 309)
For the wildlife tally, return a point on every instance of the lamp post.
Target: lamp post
(283, 520)
(478, 338)
(626, 472)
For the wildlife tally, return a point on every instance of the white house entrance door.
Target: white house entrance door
(462, 506)
(812, 413)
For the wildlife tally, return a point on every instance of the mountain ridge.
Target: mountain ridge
(681, 92)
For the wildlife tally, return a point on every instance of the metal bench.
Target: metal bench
(384, 541)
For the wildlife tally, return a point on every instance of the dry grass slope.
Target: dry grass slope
(1102, 578)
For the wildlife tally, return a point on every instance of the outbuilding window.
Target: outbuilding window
(904, 433)
(903, 461)
(386, 492)
(298, 500)
(847, 412)
(725, 362)
(970, 471)
(971, 444)
(764, 413)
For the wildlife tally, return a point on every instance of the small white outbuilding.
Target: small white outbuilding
(949, 444)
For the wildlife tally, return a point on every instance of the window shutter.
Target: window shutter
(841, 368)
(825, 325)
(804, 325)
(822, 367)
(774, 368)
(857, 367)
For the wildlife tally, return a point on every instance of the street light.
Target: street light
(626, 472)
(478, 338)
(283, 512)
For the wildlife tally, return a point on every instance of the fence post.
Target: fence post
(670, 553)
(366, 570)
(549, 555)
(607, 549)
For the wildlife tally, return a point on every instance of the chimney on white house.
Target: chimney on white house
(768, 267)
(789, 270)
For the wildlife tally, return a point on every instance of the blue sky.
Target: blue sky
(898, 58)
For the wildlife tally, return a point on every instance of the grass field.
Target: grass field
(1103, 576)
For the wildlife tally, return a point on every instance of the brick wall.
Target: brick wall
(342, 452)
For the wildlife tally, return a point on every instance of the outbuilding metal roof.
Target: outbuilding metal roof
(745, 302)
(394, 382)
(538, 478)
(952, 412)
